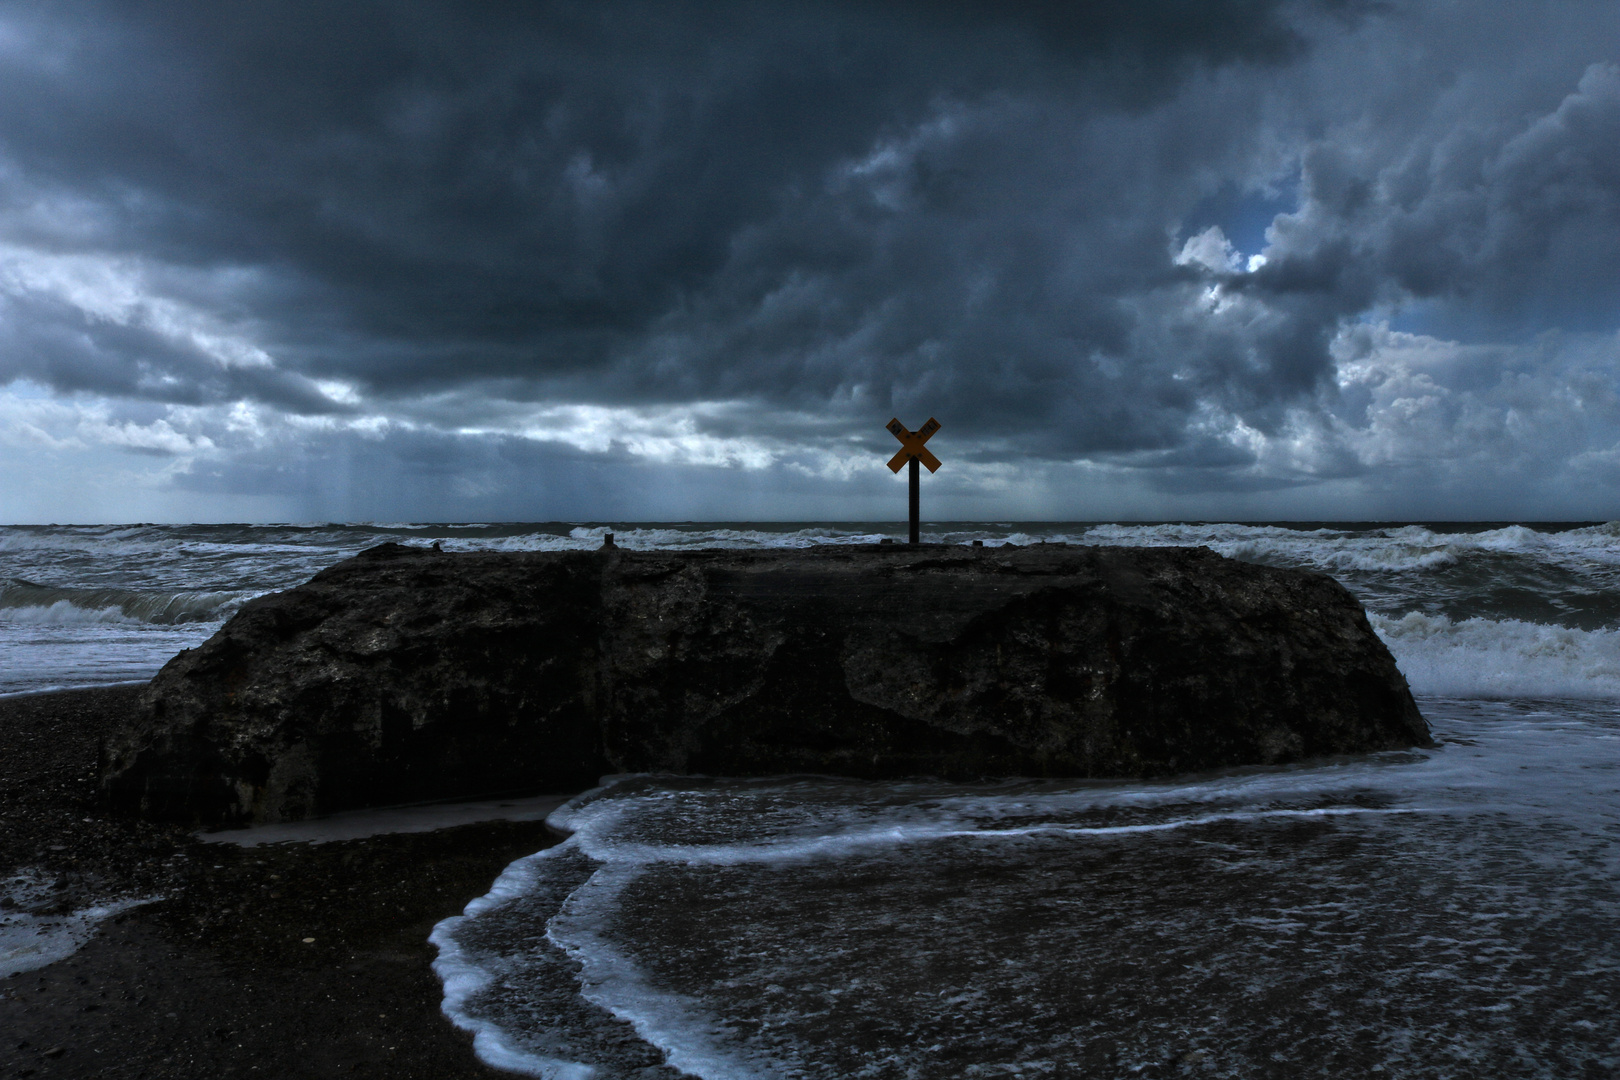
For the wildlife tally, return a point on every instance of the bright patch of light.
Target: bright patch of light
(671, 435)
(76, 424)
(341, 392)
(158, 437)
(1211, 250)
(119, 290)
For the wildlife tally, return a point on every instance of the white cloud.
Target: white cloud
(122, 290)
(1211, 250)
(669, 434)
(158, 437)
(1492, 414)
(343, 393)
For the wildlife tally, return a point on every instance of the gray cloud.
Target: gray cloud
(1512, 230)
(57, 344)
(733, 234)
(499, 175)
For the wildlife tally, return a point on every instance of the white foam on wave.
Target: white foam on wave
(41, 656)
(657, 844)
(64, 613)
(101, 539)
(890, 835)
(649, 820)
(467, 974)
(1328, 550)
(26, 602)
(1409, 548)
(690, 1036)
(1501, 658)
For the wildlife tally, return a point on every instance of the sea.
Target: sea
(1444, 912)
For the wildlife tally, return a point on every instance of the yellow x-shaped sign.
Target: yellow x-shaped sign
(911, 444)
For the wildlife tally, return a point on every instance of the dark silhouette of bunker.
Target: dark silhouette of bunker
(406, 674)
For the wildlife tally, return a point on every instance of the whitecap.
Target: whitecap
(1501, 658)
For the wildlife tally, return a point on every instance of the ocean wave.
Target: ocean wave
(1377, 549)
(1395, 549)
(26, 602)
(1323, 549)
(1501, 658)
(63, 613)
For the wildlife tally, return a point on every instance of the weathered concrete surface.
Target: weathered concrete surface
(407, 674)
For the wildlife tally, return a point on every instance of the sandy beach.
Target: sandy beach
(218, 976)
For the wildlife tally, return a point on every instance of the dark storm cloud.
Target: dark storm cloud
(1519, 230)
(523, 191)
(450, 214)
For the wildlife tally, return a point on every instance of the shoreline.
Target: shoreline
(216, 977)
(51, 691)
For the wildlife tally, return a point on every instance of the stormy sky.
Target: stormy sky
(662, 261)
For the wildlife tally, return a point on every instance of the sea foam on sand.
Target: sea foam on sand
(33, 933)
(1426, 912)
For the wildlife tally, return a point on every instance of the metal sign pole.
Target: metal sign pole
(916, 496)
(912, 450)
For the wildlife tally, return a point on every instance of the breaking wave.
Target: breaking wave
(25, 602)
(1487, 658)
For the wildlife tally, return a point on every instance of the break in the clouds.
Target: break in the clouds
(651, 260)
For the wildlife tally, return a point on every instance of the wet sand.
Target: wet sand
(216, 978)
